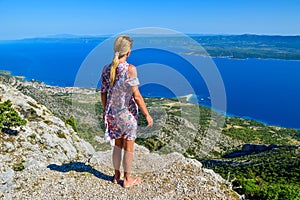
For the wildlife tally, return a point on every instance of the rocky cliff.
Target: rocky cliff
(48, 160)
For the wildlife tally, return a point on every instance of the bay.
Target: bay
(260, 89)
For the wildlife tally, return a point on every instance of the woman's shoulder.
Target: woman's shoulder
(131, 67)
(132, 71)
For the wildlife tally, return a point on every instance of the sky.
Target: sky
(40, 18)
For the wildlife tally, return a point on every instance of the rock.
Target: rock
(216, 177)
(69, 149)
(4, 159)
(50, 140)
(6, 179)
(8, 146)
(31, 162)
(101, 157)
(86, 149)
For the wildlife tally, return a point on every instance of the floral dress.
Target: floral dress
(121, 110)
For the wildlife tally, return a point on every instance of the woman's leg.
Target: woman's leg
(128, 146)
(116, 157)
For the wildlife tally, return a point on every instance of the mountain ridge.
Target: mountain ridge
(48, 160)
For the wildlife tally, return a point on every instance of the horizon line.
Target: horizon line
(74, 36)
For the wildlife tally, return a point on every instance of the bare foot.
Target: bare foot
(117, 177)
(131, 182)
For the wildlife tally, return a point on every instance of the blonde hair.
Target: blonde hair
(122, 46)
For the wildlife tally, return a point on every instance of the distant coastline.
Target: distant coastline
(242, 46)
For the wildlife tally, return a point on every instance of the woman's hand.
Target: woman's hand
(149, 120)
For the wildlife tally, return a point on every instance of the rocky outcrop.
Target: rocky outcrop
(45, 139)
(48, 160)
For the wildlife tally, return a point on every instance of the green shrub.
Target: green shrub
(18, 166)
(33, 136)
(71, 121)
(9, 117)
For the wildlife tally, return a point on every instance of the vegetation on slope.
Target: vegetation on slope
(271, 174)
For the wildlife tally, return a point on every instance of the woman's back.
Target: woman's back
(119, 95)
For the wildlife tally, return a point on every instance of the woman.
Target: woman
(120, 100)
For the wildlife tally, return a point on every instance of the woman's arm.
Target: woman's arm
(104, 86)
(140, 101)
(141, 104)
(104, 99)
(132, 73)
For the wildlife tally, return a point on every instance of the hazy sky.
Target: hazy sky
(34, 18)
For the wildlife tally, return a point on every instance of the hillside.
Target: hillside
(262, 162)
(46, 159)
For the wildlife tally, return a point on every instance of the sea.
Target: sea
(266, 90)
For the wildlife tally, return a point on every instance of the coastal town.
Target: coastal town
(56, 89)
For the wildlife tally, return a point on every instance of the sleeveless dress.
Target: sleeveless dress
(121, 112)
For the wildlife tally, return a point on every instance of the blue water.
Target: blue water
(265, 90)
